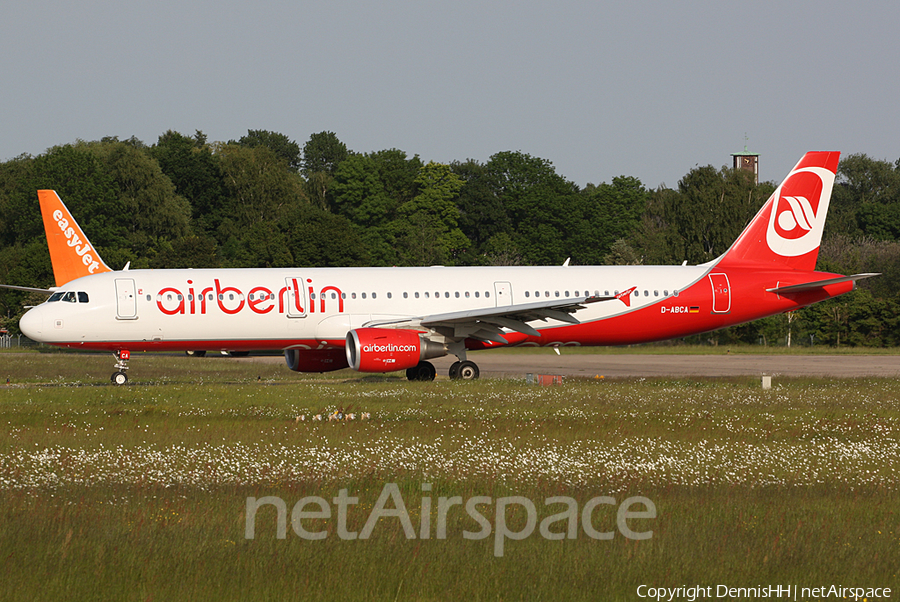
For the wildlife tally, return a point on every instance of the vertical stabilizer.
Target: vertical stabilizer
(787, 231)
(71, 252)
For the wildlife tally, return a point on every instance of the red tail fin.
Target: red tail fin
(787, 231)
(71, 253)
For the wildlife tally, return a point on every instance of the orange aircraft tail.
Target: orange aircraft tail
(71, 253)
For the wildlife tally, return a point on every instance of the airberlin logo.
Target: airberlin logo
(389, 348)
(798, 215)
(290, 299)
(81, 247)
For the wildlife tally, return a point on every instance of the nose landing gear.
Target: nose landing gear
(119, 377)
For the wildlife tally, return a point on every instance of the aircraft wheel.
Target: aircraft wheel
(454, 370)
(195, 353)
(468, 371)
(422, 371)
(119, 378)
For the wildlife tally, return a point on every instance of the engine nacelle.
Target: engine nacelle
(315, 360)
(387, 349)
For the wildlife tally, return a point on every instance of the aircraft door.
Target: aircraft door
(294, 297)
(502, 294)
(721, 293)
(126, 300)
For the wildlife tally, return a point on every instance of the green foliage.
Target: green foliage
(322, 153)
(281, 146)
(184, 202)
(191, 166)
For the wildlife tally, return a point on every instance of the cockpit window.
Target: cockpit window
(69, 297)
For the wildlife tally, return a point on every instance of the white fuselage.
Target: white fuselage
(283, 308)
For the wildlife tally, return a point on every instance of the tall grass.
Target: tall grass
(140, 492)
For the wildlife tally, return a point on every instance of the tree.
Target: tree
(191, 166)
(281, 146)
(537, 202)
(322, 154)
(865, 199)
(427, 226)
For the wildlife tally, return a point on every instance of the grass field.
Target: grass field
(141, 492)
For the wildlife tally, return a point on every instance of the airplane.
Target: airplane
(382, 320)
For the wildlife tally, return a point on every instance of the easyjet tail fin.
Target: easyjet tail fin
(71, 253)
(787, 231)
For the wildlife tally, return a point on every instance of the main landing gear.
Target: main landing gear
(119, 377)
(464, 370)
(421, 371)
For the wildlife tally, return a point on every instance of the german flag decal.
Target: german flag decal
(695, 309)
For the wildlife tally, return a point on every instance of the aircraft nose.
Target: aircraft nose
(32, 324)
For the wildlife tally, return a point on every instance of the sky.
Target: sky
(648, 89)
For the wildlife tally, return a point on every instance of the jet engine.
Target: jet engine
(315, 360)
(387, 350)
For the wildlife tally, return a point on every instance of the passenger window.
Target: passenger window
(353, 295)
(527, 294)
(665, 293)
(487, 294)
(556, 293)
(373, 295)
(605, 294)
(148, 298)
(405, 295)
(477, 294)
(567, 294)
(363, 295)
(467, 294)
(389, 295)
(82, 297)
(456, 294)
(656, 293)
(334, 295)
(446, 294)
(312, 296)
(417, 294)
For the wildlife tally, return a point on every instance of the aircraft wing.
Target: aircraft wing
(488, 323)
(27, 288)
(808, 286)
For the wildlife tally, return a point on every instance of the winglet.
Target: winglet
(71, 253)
(625, 296)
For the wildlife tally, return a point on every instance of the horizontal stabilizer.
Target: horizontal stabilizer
(808, 286)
